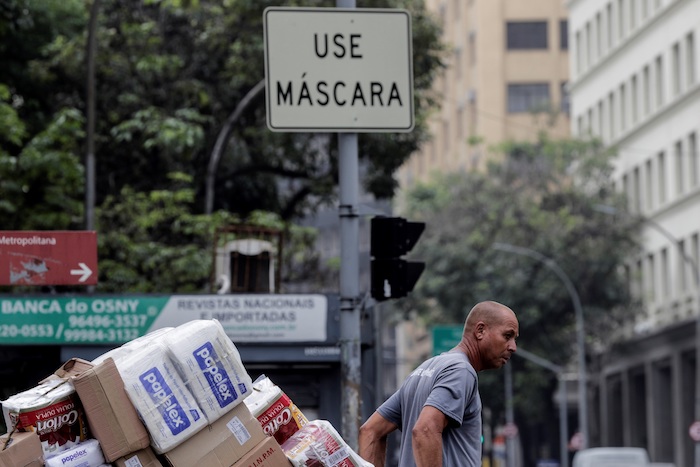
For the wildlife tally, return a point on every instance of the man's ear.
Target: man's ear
(480, 329)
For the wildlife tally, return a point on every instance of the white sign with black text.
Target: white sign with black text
(338, 70)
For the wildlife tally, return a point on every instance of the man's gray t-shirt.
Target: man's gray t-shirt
(449, 383)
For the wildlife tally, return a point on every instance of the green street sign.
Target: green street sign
(117, 319)
(446, 337)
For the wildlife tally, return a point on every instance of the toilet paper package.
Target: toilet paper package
(210, 365)
(277, 414)
(51, 409)
(160, 396)
(318, 444)
(85, 454)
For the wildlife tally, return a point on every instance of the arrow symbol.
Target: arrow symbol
(84, 272)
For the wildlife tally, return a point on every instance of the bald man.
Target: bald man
(438, 407)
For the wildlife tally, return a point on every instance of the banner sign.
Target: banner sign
(121, 318)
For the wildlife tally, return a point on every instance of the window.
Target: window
(526, 35)
(612, 121)
(623, 108)
(598, 36)
(579, 52)
(661, 168)
(563, 34)
(565, 103)
(637, 190)
(650, 277)
(601, 120)
(646, 91)
(676, 70)
(665, 275)
(659, 81)
(621, 20)
(633, 15)
(682, 273)
(609, 24)
(649, 185)
(690, 59)
(528, 97)
(634, 100)
(693, 162)
(590, 59)
(680, 172)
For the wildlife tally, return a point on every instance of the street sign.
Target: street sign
(338, 70)
(510, 430)
(120, 318)
(694, 431)
(446, 337)
(48, 257)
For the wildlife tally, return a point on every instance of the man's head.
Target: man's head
(490, 332)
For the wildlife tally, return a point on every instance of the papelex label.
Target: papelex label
(216, 375)
(165, 401)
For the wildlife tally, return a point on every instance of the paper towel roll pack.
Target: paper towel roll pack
(160, 396)
(210, 365)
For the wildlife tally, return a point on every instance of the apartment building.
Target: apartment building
(506, 79)
(634, 84)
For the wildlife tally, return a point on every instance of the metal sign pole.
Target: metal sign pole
(349, 288)
(351, 371)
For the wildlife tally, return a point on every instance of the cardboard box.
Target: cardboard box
(141, 458)
(220, 444)
(21, 450)
(112, 418)
(265, 454)
(72, 368)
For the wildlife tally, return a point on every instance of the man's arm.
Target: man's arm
(427, 437)
(372, 439)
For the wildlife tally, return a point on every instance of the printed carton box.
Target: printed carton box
(220, 444)
(141, 458)
(265, 454)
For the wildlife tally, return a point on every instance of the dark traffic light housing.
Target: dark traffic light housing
(391, 238)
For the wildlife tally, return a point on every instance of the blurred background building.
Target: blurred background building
(506, 78)
(624, 71)
(635, 86)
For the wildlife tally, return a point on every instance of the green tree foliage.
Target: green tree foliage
(170, 73)
(546, 197)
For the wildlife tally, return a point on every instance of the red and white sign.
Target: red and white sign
(48, 257)
(510, 430)
(694, 431)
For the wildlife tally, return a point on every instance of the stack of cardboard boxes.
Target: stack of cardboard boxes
(236, 438)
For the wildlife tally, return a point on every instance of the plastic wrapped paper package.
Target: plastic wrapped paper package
(85, 454)
(275, 411)
(318, 444)
(52, 410)
(121, 352)
(210, 365)
(160, 396)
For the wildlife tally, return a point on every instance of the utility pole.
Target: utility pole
(351, 363)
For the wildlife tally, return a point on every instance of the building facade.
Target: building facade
(506, 79)
(634, 85)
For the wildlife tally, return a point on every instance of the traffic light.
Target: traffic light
(391, 238)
